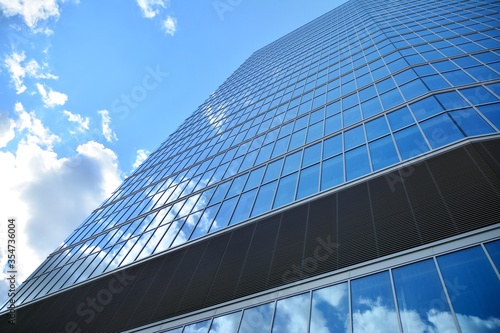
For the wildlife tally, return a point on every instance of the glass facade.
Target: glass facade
(359, 90)
(454, 292)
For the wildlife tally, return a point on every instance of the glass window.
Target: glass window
(371, 107)
(237, 185)
(286, 190)
(421, 299)
(473, 288)
(330, 308)
(201, 327)
(354, 137)
(273, 170)
(254, 179)
(352, 116)
(308, 181)
(281, 146)
(333, 124)
(356, 163)
(435, 82)
(373, 304)
(292, 314)
(220, 193)
(244, 205)
(458, 77)
(264, 154)
(297, 139)
(264, 198)
(471, 122)
(226, 324)
(413, 89)
(225, 212)
(493, 249)
(427, 107)
(204, 223)
(292, 163)
(478, 95)
(441, 130)
(451, 100)
(332, 146)
(383, 153)
(312, 155)
(391, 98)
(410, 142)
(491, 112)
(257, 319)
(314, 132)
(400, 118)
(376, 128)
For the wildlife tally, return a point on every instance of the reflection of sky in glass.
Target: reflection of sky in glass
(330, 310)
(257, 318)
(493, 249)
(291, 314)
(226, 324)
(201, 327)
(373, 304)
(474, 289)
(422, 303)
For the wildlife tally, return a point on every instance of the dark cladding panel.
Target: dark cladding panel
(289, 246)
(321, 247)
(253, 277)
(226, 279)
(490, 152)
(356, 235)
(204, 275)
(432, 216)
(394, 223)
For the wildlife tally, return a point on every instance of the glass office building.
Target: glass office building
(345, 178)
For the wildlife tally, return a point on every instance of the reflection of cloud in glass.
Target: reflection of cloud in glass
(226, 324)
(201, 327)
(291, 314)
(257, 319)
(370, 319)
(330, 310)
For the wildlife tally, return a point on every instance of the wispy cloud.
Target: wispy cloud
(36, 132)
(106, 130)
(141, 157)
(83, 122)
(51, 98)
(19, 69)
(150, 8)
(32, 11)
(7, 129)
(170, 25)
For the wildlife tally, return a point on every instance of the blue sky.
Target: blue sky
(88, 88)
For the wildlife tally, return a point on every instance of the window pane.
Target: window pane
(400, 118)
(314, 132)
(201, 327)
(470, 122)
(451, 100)
(312, 154)
(226, 324)
(492, 112)
(356, 163)
(425, 108)
(225, 212)
(332, 146)
(420, 295)
(291, 314)
(286, 190)
(372, 304)
(351, 116)
(413, 89)
(332, 172)
(273, 170)
(371, 107)
(383, 153)
(441, 130)
(391, 98)
(255, 178)
(244, 205)
(354, 137)
(376, 128)
(493, 249)
(330, 308)
(410, 142)
(308, 181)
(478, 95)
(297, 139)
(264, 198)
(473, 288)
(257, 319)
(333, 124)
(292, 163)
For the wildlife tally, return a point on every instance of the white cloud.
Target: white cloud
(141, 157)
(106, 130)
(31, 11)
(170, 25)
(47, 194)
(18, 71)
(7, 127)
(83, 122)
(51, 98)
(150, 8)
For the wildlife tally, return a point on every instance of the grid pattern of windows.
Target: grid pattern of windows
(455, 292)
(358, 90)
